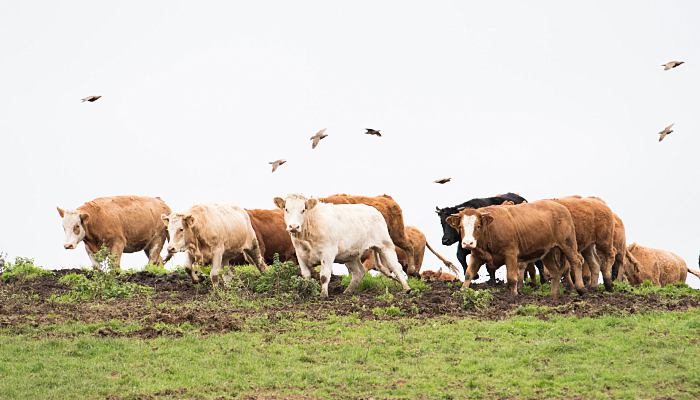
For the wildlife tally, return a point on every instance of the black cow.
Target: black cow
(450, 235)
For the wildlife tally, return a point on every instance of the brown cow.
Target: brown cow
(620, 248)
(594, 224)
(272, 236)
(124, 224)
(418, 242)
(393, 215)
(519, 234)
(440, 275)
(661, 267)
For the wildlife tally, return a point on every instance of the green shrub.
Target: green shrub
(155, 269)
(380, 283)
(473, 299)
(387, 296)
(22, 269)
(675, 290)
(106, 261)
(98, 285)
(282, 278)
(387, 311)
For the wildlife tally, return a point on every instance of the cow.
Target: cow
(450, 235)
(439, 275)
(213, 234)
(123, 224)
(660, 267)
(419, 244)
(392, 213)
(619, 250)
(324, 233)
(272, 236)
(594, 224)
(520, 234)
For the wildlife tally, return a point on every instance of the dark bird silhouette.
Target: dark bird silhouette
(374, 132)
(443, 181)
(276, 164)
(91, 99)
(317, 137)
(671, 65)
(667, 131)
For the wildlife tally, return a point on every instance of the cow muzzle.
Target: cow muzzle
(171, 250)
(68, 246)
(293, 228)
(469, 245)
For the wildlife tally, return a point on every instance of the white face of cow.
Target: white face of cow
(176, 232)
(468, 227)
(73, 228)
(295, 208)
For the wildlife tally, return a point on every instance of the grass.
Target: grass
(22, 269)
(98, 285)
(639, 356)
(380, 284)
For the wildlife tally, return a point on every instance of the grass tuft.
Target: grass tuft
(23, 269)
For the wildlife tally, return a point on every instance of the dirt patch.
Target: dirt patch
(178, 306)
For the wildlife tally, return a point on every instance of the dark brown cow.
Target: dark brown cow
(124, 224)
(517, 235)
(272, 236)
(393, 215)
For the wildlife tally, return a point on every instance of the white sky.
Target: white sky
(543, 98)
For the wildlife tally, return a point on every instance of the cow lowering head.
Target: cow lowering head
(295, 207)
(179, 229)
(470, 223)
(450, 235)
(73, 226)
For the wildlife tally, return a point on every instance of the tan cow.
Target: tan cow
(419, 244)
(123, 224)
(620, 248)
(213, 234)
(439, 275)
(520, 234)
(594, 224)
(272, 236)
(392, 213)
(661, 267)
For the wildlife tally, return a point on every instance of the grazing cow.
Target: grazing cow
(419, 243)
(450, 235)
(594, 224)
(392, 213)
(213, 234)
(660, 267)
(520, 234)
(439, 275)
(123, 224)
(272, 236)
(324, 233)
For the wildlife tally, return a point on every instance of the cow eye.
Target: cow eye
(303, 211)
(76, 229)
(180, 230)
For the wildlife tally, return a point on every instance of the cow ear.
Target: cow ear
(188, 220)
(165, 218)
(486, 218)
(84, 217)
(61, 212)
(453, 221)
(279, 202)
(311, 203)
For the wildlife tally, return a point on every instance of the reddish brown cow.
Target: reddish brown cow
(440, 275)
(124, 224)
(272, 236)
(393, 215)
(520, 234)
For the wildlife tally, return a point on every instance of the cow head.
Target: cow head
(450, 236)
(295, 207)
(73, 226)
(470, 223)
(179, 229)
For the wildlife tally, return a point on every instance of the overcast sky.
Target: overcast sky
(543, 98)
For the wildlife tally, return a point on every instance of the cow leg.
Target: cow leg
(357, 272)
(492, 274)
(575, 261)
(512, 273)
(472, 269)
(462, 254)
(189, 262)
(533, 275)
(554, 269)
(116, 249)
(406, 246)
(254, 256)
(382, 268)
(387, 255)
(216, 262)
(305, 271)
(522, 270)
(540, 268)
(607, 258)
(326, 272)
(591, 261)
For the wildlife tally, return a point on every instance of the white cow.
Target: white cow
(325, 233)
(213, 233)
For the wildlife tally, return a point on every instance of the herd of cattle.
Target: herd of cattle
(574, 238)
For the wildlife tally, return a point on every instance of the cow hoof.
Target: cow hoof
(582, 291)
(408, 291)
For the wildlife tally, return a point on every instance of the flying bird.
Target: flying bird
(667, 131)
(671, 65)
(374, 132)
(443, 181)
(90, 99)
(317, 137)
(276, 164)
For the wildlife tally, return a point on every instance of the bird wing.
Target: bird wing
(669, 127)
(315, 139)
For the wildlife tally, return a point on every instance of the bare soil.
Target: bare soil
(177, 301)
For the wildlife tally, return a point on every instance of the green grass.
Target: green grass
(675, 290)
(94, 285)
(638, 356)
(22, 269)
(380, 283)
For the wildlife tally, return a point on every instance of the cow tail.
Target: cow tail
(447, 263)
(693, 271)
